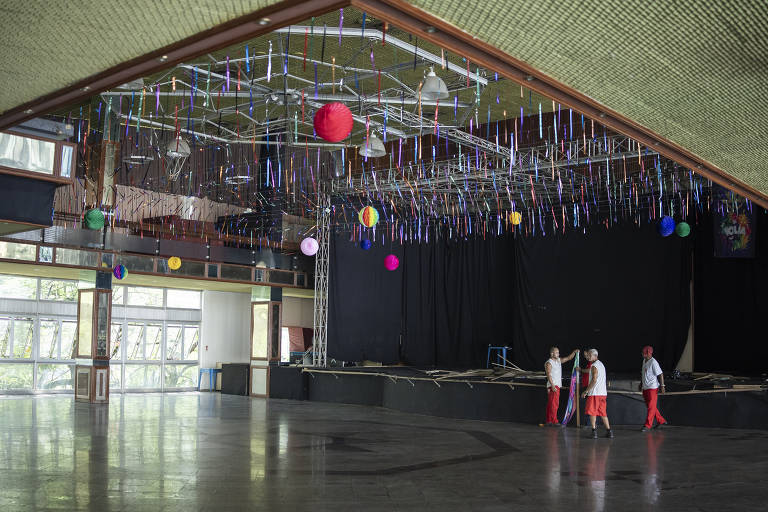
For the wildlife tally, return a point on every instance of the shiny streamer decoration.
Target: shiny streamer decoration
(570, 408)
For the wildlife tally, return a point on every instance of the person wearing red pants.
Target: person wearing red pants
(554, 370)
(597, 394)
(650, 376)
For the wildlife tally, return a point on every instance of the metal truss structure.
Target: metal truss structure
(322, 259)
(540, 171)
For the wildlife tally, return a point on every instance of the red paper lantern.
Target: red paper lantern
(333, 122)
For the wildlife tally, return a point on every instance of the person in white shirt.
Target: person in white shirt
(554, 370)
(596, 394)
(650, 376)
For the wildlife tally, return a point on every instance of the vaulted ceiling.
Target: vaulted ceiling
(693, 73)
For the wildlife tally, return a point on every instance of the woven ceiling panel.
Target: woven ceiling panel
(694, 72)
(47, 45)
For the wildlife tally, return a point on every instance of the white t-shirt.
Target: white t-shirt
(600, 387)
(555, 371)
(651, 370)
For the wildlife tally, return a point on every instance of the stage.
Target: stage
(702, 403)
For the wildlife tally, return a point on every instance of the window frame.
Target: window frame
(29, 309)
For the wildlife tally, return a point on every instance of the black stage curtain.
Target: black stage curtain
(27, 200)
(457, 299)
(614, 290)
(364, 302)
(730, 300)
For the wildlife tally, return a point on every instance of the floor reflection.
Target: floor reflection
(652, 481)
(595, 471)
(218, 452)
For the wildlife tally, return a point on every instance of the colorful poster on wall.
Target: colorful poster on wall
(734, 226)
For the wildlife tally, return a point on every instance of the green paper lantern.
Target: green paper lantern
(683, 229)
(94, 219)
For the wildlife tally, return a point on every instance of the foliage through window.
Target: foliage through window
(18, 287)
(37, 350)
(151, 297)
(53, 289)
(118, 295)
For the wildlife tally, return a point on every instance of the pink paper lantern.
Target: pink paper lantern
(309, 246)
(391, 262)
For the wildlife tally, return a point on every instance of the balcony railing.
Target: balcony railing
(42, 253)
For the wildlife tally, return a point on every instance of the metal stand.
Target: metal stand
(320, 339)
(578, 402)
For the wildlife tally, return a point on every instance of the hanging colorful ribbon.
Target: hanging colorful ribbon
(572, 398)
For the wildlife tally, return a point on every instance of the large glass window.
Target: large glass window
(54, 376)
(16, 376)
(16, 251)
(26, 153)
(118, 295)
(57, 339)
(187, 299)
(49, 339)
(145, 297)
(37, 350)
(117, 341)
(142, 376)
(181, 342)
(53, 289)
(5, 337)
(16, 337)
(18, 287)
(180, 376)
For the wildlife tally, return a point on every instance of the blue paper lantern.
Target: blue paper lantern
(365, 244)
(666, 226)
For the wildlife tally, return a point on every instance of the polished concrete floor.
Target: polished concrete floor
(201, 451)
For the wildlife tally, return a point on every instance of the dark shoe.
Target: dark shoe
(609, 434)
(645, 429)
(662, 425)
(594, 433)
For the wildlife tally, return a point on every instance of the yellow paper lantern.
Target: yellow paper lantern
(515, 218)
(174, 263)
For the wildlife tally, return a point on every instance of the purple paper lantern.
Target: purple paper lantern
(120, 272)
(309, 246)
(391, 262)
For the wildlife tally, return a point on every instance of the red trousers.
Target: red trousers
(553, 402)
(650, 396)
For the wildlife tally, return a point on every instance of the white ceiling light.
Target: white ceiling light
(434, 87)
(374, 148)
(178, 148)
(133, 85)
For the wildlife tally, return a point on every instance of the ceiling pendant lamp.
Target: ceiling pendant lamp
(374, 148)
(434, 87)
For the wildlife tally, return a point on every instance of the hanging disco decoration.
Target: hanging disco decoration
(94, 219)
(391, 262)
(119, 272)
(368, 216)
(333, 122)
(666, 226)
(683, 229)
(174, 263)
(309, 246)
